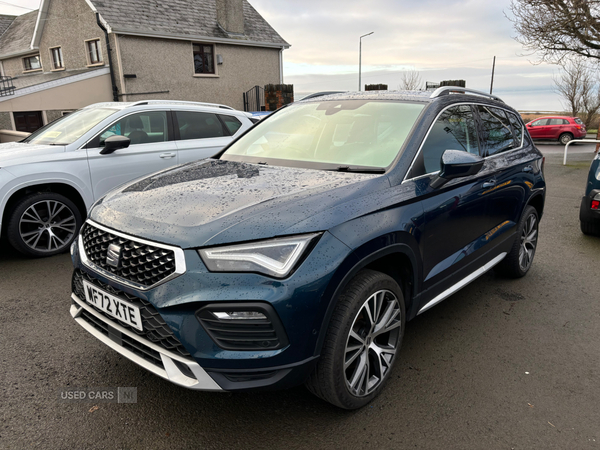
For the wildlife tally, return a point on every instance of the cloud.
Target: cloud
(449, 39)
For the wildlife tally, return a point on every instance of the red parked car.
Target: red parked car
(561, 128)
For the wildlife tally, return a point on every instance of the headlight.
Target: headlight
(275, 257)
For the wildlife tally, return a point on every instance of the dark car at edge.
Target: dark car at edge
(298, 254)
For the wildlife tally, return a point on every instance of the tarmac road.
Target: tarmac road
(502, 364)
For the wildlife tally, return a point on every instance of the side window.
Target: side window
(498, 136)
(454, 130)
(232, 123)
(565, 122)
(555, 122)
(199, 125)
(539, 123)
(517, 125)
(141, 128)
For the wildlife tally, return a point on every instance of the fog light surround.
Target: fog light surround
(243, 326)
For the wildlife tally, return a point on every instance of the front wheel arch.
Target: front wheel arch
(359, 260)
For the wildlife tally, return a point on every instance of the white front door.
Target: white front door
(150, 150)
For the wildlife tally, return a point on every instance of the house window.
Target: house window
(32, 63)
(57, 58)
(94, 52)
(204, 61)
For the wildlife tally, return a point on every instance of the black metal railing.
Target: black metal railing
(254, 99)
(6, 86)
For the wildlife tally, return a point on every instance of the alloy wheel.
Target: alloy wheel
(47, 226)
(372, 343)
(528, 242)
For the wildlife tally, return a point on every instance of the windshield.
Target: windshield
(343, 133)
(68, 129)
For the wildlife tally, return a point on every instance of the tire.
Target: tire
(520, 258)
(354, 338)
(565, 138)
(590, 228)
(43, 224)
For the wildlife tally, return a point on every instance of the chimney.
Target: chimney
(230, 15)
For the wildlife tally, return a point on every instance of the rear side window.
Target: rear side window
(232, 123)
(454, 130)
(497, 132)
(517, 128)
(557, 122)
(199, 125)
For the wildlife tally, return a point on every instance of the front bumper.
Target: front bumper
(178, 370)
(300, 303)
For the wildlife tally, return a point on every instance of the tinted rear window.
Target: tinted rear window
(497, 131)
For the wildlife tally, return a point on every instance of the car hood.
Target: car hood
(212, 202)
(12, 153)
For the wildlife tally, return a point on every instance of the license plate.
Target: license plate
(113, 306)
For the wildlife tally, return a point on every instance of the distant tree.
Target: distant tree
(410, 80)
(555, 29)
(578, 87)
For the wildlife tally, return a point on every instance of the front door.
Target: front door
(455, 214)
(151, 150)
(28, 121)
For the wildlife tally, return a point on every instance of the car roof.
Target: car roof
(411, 96)
(555, 117)
(157, 104)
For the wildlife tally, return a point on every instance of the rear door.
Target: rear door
(151, 150)
(511, 163)
(199, 135)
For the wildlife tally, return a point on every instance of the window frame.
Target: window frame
(477, 120)
(25, 69)
(214, 61)
(53, 60)
(86, 44)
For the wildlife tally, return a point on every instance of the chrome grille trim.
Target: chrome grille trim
(180, 266)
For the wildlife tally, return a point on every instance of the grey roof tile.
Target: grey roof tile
(182, 18)
(5, 21)
(17, 36)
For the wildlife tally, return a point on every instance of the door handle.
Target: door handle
(489, 184)
(528, 169)
(168, 155)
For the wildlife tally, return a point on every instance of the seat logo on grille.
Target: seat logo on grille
(113, 255)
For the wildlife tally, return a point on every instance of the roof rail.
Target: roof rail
(162, 102)
(445, 90)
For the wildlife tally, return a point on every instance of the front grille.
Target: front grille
(125, 341)
(140, 263)
(155, 328)
(247, 334)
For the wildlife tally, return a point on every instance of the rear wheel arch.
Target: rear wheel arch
(537, 201)
(398, 260)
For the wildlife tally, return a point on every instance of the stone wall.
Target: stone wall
(5, 122)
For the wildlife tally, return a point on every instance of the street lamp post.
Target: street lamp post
(360, 58)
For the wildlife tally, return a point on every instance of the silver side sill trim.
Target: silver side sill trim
(462, 283)
(202, 382)
(180, 266)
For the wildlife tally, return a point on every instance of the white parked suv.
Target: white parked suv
(49, 180)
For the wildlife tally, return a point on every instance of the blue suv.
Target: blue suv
(298, 254)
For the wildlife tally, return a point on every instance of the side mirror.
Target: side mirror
(115, 143)
(457, 164)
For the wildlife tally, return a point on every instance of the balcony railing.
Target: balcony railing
(6, 86)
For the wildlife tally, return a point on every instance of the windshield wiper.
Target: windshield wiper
(359, 169)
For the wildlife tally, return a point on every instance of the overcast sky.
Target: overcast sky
(441, 39)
